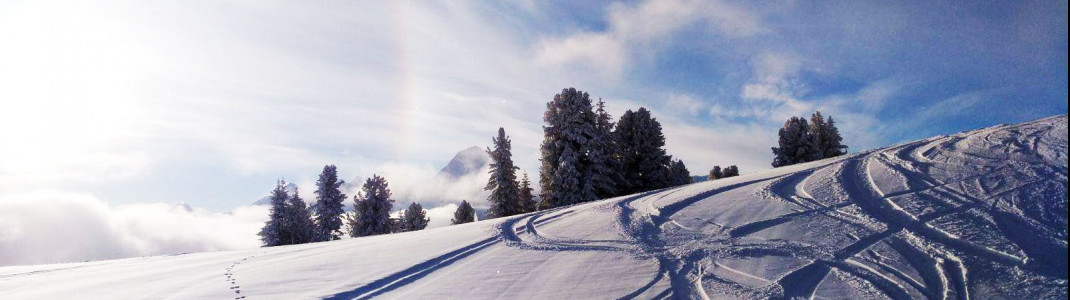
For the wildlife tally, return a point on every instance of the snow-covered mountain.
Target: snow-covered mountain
(979, 214)
(467, 162)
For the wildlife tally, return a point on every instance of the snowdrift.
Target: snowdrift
(980, 214)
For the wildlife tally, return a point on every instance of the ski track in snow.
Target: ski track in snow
(973, 214)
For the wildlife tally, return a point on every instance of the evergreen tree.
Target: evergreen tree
(328, 205)
(796, 144)
(730, 171)
(605, 171)
(275, 231)
(527, 194)
(414, 218)
(567, 176)
(715, 173)
(352, 220)
(641, 143)
(680, 174)
(567, 180)
(372, 208)
(504, 195)
(831, 141)
(464, 214)
(299, 220)
(826, 136)
(817, 132)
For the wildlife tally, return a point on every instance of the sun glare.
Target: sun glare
(68, 81)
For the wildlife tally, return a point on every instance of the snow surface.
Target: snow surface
(980, 214)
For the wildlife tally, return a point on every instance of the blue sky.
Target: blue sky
(208, 102)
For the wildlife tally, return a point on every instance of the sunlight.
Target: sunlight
(68, 81)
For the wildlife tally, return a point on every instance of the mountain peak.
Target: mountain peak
(466, 162)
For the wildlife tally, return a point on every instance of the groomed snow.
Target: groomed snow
(979, 214)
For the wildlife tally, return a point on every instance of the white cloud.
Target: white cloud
(601, 52)
(684, 105)
(953, 106)
(51, 227)
(775, 88)
(441, 216)
(643, 29)
(410, 183)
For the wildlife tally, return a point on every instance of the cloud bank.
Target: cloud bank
(56, 227)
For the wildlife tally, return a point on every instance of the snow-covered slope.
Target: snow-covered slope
(980, 214)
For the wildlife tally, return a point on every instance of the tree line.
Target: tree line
(291, 222)
(585, 156)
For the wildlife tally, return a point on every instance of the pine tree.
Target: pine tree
(831, 143)
(328, 205)
(730, 171)
(527, 194)
(464, 214)
(796, 144)
(817, 132)
(414, 218)
(680, 174)
(715, 173)
(372, 208)
(641, 145)
(567, 176)
(504, 194)
(352, 221)
(826, 136)
(567, 180)
(605, 171)
(275, 231)
(299, 220)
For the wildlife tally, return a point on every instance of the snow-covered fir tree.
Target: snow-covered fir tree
(827, 136)
(275, 231)
(464, 214)
(566, 180)
(299, 220)
(604, 172)
(372, 208)
(566, 175)
(413, 218)
(328, 205)
(680, 174)
(351, 221)
(641, 152)
(801, 142)
(527, 194)
(504, 195)
(795, 144)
